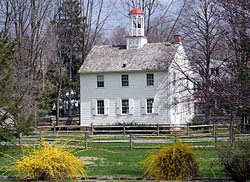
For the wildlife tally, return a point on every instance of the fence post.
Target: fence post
(130, 140)
(92, 128)
(187, 128)
(158, 129)
(214, 129)
(124, 129)
(86, 141)
(40, 137)
(215, 135)
(54, 129)
(20, 141)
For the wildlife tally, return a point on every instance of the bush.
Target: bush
(172, 162)
(236, 160)
(50, 162)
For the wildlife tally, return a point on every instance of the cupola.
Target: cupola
(136, 38)
(136, 17)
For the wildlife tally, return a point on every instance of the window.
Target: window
(174, 78)
(100, 80)
(214, 71)
(139, 22)
(175, 104)
(125, 82)
(150, 103)
(125, 106)
(150, 79)
(189, 107)
(100, 107)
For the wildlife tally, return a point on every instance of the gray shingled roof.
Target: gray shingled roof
(106, 58)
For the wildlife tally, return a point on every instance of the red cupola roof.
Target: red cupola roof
(136, 11)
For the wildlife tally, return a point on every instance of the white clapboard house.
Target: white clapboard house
(137, 82)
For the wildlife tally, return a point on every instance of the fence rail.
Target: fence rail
(157, 129)
(133, 136)
(130, 142)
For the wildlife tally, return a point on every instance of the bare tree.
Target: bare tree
(217, 43)
(95, 19)
(118, 36)
(161, 17)
(25, 21)
(236, 15)
(202, 36)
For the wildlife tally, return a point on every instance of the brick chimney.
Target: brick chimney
(177, 39)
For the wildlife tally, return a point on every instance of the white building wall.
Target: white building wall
(180, 92)
(137, 90)
(164, 93)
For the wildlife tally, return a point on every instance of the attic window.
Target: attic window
(124, 65)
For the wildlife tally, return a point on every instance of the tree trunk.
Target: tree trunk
(232, 130)
(70, 103)
(70, 78)
(58, 97)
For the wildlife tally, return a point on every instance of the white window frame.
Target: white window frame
(100, 79)
(99, 108)
(150, 81)
(127, 107)
(151, 105)
(122, 81)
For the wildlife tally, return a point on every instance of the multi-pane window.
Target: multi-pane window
(125, 106)
(150, 79)
(150, 103)
(100, 80)
(100, 106)
(125, 81)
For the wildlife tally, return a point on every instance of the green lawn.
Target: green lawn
(125, 162)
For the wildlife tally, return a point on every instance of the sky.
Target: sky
(119, 15)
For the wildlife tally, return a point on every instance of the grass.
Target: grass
(125, 162)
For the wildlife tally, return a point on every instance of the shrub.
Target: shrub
(50, 162)
(236, 160)
(172, 162)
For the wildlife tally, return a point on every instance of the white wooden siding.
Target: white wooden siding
(112, 94)
(137, 92)
(179, 90)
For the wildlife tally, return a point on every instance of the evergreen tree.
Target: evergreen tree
(12, 119)
(69, 23)
(6, 86)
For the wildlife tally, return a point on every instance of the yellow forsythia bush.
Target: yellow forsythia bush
(175, 162)
(50, 162)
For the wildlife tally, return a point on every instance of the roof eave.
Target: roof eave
(125, 71)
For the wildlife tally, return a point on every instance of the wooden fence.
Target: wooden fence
(157, 129)
(133, 136)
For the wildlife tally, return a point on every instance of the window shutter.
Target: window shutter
(118, 107)
(131, 106)
(106, 107)
(143, 106)
(94, 107)
(156, 106)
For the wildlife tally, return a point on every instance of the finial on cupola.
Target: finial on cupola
(136, 38)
